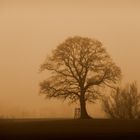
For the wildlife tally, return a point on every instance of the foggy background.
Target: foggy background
(30, 29)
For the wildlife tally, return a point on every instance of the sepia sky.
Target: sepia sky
(30, 29)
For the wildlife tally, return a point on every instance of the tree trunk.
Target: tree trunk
(84, 114)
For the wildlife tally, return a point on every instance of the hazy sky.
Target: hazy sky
(30, 29)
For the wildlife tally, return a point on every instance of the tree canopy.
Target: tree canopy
(79, 68)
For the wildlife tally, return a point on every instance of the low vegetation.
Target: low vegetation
(123, 103)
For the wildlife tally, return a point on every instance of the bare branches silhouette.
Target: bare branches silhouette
(79, 68)
(123, 103)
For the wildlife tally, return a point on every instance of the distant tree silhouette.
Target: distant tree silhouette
(123, 103)
(79, 67)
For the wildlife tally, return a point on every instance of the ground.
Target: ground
(68, 129)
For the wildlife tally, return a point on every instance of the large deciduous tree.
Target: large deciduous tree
(79, 67)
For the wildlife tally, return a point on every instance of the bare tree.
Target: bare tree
(79, 66)
(123, 103)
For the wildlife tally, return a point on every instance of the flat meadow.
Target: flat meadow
(69, 128)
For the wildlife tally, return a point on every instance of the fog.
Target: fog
(29, 30)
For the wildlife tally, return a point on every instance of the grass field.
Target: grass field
(68, 129)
